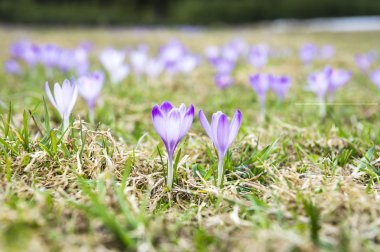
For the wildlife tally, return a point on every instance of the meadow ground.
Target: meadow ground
(294, 182)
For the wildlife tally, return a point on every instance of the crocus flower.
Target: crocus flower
(222, 133)
(154, 68)
(117, 74)
(307, 53)
(12, 67)
(63, 100)
(212, 52)
(139, 59)
(89, 87)
(363, 61)
(222, 65)
(258, 56)
(188, 63)
(327, 52)
(172, 124)
(280, 85)
(318, 83)
(111, 58)
(375, 77)
(223, 80)
(261, 84)
(338, 78)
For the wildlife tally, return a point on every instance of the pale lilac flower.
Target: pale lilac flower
(26, 51)
(261, 83)
(280, 85)
(338, 78)
(63, 100)
(318, 83)
(230, 53)
(139, 59)
(222, 65)
(188, 63)
(89, 87)
(258, 56)
(172, 124)
(12, 67)
(49, 56)
(375, 77)
(118, 74)
(222, 134)
(223, 80)
(111, 58)
(154, 68)
(80, 59)
(212, 52)
(327, 51)
(239, 45)
(364, 61)
(171, 54)
(307, 53)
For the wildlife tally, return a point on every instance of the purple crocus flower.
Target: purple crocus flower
(338, 78)
(49, 56)
(172, 124)
(223, 80)
(258, 56)
(222, 133)
(327, 51)
(89, 87)
(222, 65)
(375, 77)
(364, 61)
(307, 53)
(63, 100)
(280, 85)
(12, 67)
(318, 83)
(261, 84)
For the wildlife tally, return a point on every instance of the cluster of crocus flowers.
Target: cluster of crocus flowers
(89, 87)
(309, 52)
(63, 99)
(262, 83)
(173, 123)
(51, 56)
(327, 81)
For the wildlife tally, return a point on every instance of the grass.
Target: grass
(293, 182)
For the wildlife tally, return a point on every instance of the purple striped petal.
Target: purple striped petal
(166, 107)
(223, 129)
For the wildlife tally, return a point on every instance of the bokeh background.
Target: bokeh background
(192, 12)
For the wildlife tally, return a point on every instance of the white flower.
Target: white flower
(64, 99)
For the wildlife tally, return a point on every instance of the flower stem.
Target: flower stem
(91, 115)
(220, 171)
(170, 173)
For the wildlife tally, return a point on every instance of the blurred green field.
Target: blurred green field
(295, 182)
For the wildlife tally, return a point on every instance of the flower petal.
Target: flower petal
(49, 95)
(173, 129)
(234, 127)
(205, 124)
(223, 134)
(166, 107)
(187, 120)
(159, 122)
